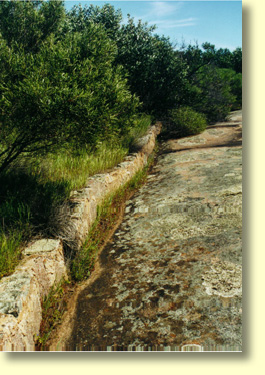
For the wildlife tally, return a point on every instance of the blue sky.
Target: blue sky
(217, 22)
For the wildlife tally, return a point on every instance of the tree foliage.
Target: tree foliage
(214, 80)
(67, 93)
(214, 97)
(78, 77)
(79, 18)
(195, 57)
(26, 24)
(155, 74)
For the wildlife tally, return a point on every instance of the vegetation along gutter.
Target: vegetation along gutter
(43, 263)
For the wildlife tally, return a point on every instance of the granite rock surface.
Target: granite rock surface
(171, 276)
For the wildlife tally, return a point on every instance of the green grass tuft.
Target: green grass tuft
(53, 307)
(31, 190)
(10, 252)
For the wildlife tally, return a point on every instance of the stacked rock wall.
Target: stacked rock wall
(43, 262)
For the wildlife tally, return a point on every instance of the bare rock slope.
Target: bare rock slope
(171, 277)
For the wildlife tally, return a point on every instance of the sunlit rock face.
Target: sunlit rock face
(171, 277)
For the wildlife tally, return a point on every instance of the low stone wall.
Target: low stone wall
(84, 202)
(43, 263)
(22, 292)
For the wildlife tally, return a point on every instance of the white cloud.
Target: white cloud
(159, 8)
(169, 24)
(160, 14)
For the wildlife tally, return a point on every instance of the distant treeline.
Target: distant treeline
(79, 77)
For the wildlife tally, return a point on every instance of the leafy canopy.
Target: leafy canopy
(26, 24)
(67, 93)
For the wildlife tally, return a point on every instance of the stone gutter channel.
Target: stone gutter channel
(43, 262)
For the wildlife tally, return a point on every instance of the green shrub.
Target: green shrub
(67, 94)
(27, 24)
(214, 97)
(185, 121)
(155, 74)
